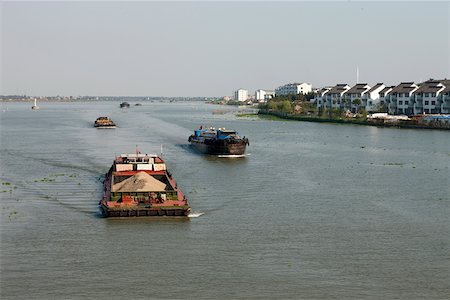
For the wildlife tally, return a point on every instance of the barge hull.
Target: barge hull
(145, 212)
(214, 149)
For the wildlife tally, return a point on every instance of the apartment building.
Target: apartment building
(241, 95)
(264, 95)
(371, 99)
(333, 97)
(399, 101)
(355, 92)
(293, 89)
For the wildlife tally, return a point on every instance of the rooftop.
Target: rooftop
(404, 87)
(358, 88)
(339, 88)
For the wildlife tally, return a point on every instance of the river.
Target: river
(315, 211)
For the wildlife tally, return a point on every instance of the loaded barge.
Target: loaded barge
(221, 142)
(104, 122)
(139, 185)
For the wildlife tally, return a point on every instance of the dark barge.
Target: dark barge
(220, 142)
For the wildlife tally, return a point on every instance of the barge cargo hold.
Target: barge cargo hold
(139, 185)
(220, 142)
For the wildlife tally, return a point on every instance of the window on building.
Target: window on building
(400, 102)
(426, 95)
(370, 103)
(433, 95)
(433, 102)
(406, 102)
(427, 102)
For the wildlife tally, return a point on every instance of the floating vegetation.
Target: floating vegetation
(6, 183)
(393, 164)
(46, 197)
(12, 214)
(73, 175)
(45, 179)
(60, 174)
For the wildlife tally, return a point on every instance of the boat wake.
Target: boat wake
(232, 155)
(195, 214)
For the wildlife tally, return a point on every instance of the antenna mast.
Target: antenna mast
(357, 74)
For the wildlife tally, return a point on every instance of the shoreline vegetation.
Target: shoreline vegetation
(411, 124)
(299, 108)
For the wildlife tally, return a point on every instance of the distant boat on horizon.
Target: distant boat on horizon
(124, 105)
(34, 107)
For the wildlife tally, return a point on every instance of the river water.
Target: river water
(315, 211)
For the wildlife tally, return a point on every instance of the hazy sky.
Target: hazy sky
(213, 48)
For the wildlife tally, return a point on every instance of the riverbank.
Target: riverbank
(411, 124)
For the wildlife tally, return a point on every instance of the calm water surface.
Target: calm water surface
(315, 211)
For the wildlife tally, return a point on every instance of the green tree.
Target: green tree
(285, 106)
(357, 101)
(272, 105)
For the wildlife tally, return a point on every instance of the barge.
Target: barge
(124, 105)
(104, 122)
(139, 185)
(220, 142)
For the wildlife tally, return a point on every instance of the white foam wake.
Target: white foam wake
(232, 155)
(195, 214)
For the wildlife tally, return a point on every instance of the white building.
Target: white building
(428, 97)
(384, 95)
(293, 89)
(241, 95)
(371, 99)
(333, 97)
(356, 92)
(319, 99)
(264, 95)
(445, 97)
(400, 100)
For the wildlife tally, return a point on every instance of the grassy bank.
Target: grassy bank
(274, 115)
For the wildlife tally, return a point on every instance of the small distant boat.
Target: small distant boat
(124, 105)
(34, 107)
(104, 122)
(138, 104)
(221, 142)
